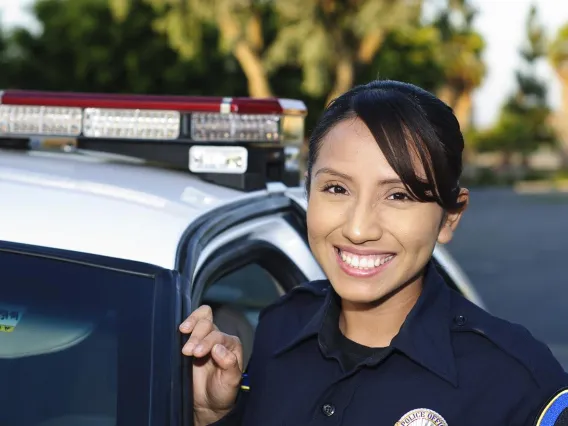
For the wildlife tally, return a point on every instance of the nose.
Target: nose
(362, 223)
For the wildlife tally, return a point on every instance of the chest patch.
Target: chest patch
(421, 417)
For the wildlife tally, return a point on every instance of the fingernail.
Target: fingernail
(189, 347)
(198, 349)
(220, 350)
(185, 325)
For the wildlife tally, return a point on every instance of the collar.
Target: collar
(424, 336)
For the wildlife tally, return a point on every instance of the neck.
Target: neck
(375, 325)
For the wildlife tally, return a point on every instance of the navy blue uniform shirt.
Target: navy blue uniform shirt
(451, 362)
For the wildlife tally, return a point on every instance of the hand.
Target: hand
(217, 366)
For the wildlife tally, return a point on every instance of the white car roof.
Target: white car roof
(95, 205)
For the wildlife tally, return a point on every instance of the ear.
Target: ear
(451, 220)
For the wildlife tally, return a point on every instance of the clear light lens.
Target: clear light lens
(218, 159)
(235, 127)
(131, 123)
(44, 120)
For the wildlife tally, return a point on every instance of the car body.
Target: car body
(102, 255)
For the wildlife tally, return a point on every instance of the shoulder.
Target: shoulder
(510, 354)
(298, 304)
(514, 341)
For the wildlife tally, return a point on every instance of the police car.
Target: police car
(121, 214)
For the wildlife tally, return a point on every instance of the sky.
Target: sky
(500, 21)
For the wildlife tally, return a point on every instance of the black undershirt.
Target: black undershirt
(353, 353)
(349, 353)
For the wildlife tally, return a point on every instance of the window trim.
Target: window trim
(241, 252)
(197, 236)
(225, 260)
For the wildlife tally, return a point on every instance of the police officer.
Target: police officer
(383, 340)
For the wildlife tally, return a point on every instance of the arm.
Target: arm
(544, 406)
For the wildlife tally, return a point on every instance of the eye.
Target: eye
(399, 196)
(335, 189)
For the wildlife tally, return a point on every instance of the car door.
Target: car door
(239, 259)
(86, 339)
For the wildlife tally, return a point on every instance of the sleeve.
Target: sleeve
(236, 416)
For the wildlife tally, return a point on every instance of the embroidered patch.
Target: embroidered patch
(555, 413)
(421, 417)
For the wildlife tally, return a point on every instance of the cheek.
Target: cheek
(414, 228)
(323, 217)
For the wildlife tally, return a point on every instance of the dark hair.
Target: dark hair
(406, 121)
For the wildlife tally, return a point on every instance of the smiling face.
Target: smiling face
(366, 231)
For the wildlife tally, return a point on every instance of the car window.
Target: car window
(250, 289)
(237, 300)
(75, 343)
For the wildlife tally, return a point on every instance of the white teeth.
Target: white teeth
(364, 262)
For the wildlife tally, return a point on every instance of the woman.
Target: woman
(383, 341)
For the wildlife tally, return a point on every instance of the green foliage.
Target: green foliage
(409, 54)
(315, 36)
(523, 122)
(76, 52)
(460, 46)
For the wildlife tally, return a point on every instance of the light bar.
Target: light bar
(235, 127)
(39, 120)
(131, 124)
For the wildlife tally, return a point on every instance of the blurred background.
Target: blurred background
(501, 64)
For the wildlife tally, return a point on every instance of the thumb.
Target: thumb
(229, 363)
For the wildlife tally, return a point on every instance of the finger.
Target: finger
(200, 331)
(204, 312)
(231, 343)
(229, 363)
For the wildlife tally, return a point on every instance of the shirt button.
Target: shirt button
(328, 410)
(460, 320)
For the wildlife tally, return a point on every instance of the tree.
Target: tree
(460, 54)
(332, 41)
(523, 122)
(240, 24)
(74, 51)
(558, 56)
(326, 39)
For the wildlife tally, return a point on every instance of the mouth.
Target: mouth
(363, 265)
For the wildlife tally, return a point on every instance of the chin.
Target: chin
(359, 291)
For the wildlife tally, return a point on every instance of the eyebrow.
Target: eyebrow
(330, 171)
